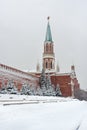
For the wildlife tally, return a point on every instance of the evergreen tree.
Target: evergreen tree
(32, 90)
(48, 82)
(3, 88)
(43, 79)
(58, 91)
(46, 86)
(49, 87)
(43, 82)
(11, 88)
(39, 91)
(25, 89)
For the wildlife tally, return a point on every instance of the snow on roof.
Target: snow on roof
(13, 71)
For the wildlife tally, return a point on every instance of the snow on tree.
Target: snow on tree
(32, 90)
(28, 90)
(25, 89)
(11, 88)
(43, 82)
(58, 91)
(49, 88)
(48, 82)
(3, 88)
(39, 91)
(43, 79)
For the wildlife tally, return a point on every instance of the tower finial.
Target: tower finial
(48, 18)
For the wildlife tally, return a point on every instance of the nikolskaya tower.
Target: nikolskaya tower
(48, 54)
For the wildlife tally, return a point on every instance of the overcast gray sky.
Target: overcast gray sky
(23, 28)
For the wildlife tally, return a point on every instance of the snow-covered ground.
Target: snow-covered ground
(18, 112)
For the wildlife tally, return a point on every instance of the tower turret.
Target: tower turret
(38, 67)
(73, 74)
(57, 68)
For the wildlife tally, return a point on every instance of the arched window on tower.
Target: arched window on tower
(50, 47)
(46, 65)
(47, 47)
(51, 65)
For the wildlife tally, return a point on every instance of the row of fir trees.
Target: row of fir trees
(45, 89)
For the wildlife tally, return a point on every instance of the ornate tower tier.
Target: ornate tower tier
(48, 54)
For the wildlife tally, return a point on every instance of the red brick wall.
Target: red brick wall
(64, 82)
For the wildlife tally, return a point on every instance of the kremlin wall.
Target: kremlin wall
(19, 77)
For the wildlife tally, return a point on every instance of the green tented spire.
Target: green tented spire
(48, 33)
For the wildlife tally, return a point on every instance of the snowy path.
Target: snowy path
(21, 102)
(64, 114)
(24, 99)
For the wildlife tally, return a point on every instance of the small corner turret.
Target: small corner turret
(73, 74)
